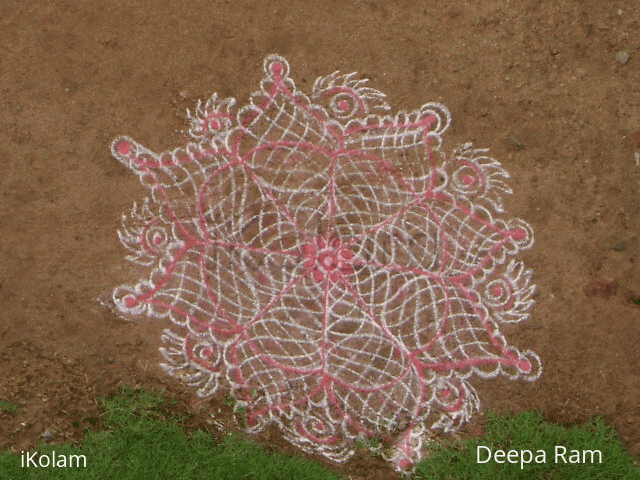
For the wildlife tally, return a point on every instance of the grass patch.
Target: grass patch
(8, 407)
(529, 431)
(139, 443)
(141, 440)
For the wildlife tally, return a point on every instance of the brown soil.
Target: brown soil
(537, 82)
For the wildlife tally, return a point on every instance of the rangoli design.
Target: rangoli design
(329, 265)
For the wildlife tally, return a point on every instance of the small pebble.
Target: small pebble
(622, 57)
(620, 247)
(515, 143)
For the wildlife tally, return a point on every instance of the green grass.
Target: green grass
(8, 407)
(139, 444)
(142, 441)
(529, 431)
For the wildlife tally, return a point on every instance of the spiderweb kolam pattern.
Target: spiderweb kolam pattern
(329, 265)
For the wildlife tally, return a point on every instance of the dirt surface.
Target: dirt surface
(545, 85)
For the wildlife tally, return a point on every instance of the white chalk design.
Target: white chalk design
(329, 265)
